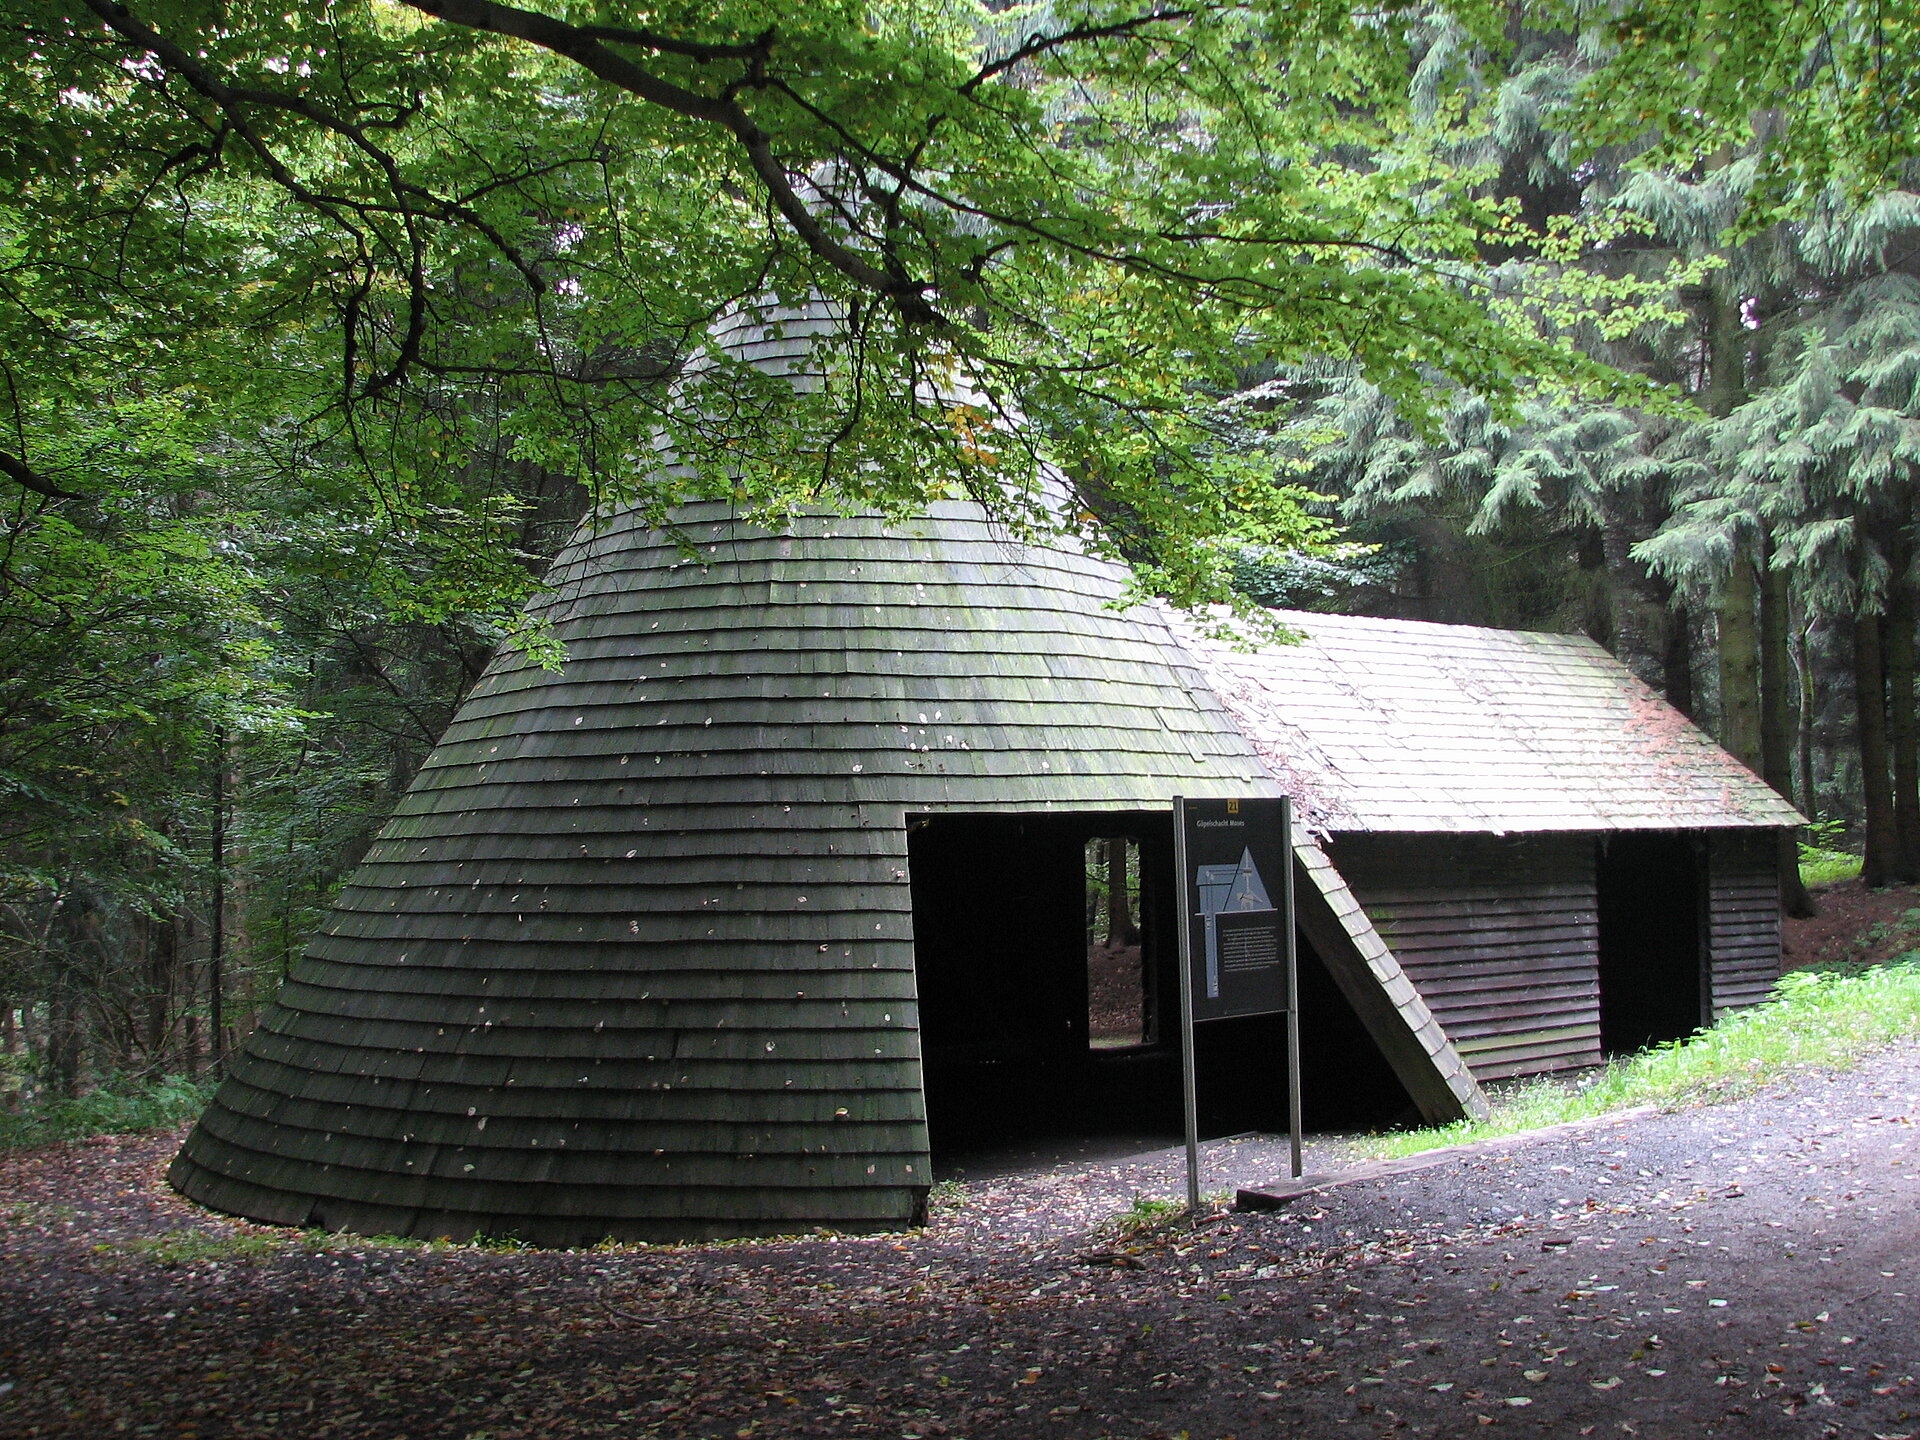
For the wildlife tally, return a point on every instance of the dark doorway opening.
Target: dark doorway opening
(1650, 904)
(1010, 938)
(1049, 1014)
(1346, 1083)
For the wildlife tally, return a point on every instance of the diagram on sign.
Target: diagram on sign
(1232, 889)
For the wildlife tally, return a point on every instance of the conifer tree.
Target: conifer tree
(1821, 459)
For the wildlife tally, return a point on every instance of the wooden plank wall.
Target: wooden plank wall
(1500, 935)
(1743, 917)
(1414, 1043)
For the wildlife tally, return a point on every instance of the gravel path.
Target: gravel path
(1748, 1269)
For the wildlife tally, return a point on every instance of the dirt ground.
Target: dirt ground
(1743, 1270)
(1855, 926)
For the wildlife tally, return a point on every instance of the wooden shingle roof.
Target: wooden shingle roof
(1395, 725)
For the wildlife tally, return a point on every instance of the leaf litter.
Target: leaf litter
(1037, 1304)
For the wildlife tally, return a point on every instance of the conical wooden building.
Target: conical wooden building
(787, 868)
(635, 955)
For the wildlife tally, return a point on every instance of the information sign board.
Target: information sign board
(1236, 892)
(1235, 859)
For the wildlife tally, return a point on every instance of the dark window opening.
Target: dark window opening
(1120, 1009)
(1650, 901)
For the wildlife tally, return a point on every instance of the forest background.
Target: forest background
(320, 331)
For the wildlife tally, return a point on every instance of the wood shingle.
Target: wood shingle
(1391, 726)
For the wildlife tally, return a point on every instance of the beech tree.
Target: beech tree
(401, 226)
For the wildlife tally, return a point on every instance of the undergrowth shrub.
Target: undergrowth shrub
(116, 1107)
(1827, 867)
(1823, 857)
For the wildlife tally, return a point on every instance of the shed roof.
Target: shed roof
(1398, 725)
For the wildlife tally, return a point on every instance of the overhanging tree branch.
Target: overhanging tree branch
(1037, 44)
(583, 46)
(409, 206)
(25, 476)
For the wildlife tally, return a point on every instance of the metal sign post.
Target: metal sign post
(1189, 1075)
(1293, 993)
(1237, 956)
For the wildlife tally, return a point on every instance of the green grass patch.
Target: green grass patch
(27, 1212)
(1146, 1215)
(193, 1247)
(948, 1194)
(113, 1109)
(189, 1247)
(1818, 1019)
(1827, 867)
(1148, 1220)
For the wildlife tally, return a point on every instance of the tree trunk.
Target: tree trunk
(1881, 863)
(1903, 735)
(190, 1044)
(33, 1029)
(1676, 659)
(1723, 389)
(217, 905)
(1803, 669)
(1776, 667)
(1776, 722)
(1121, 929)
(161, 938)
(63, 1043)
(1628, 622)
(1729, 345)
(1740, 662)
(1451, 585)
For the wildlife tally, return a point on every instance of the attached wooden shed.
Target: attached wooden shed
(1562, 863)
